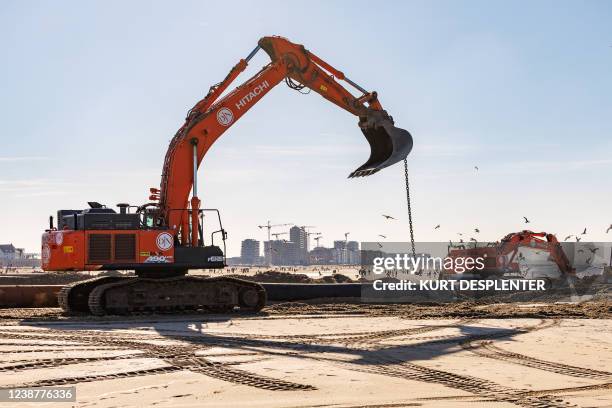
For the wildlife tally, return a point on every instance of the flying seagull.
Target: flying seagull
(473, 239)
(584, 232)
(580, 251)
(593, 250)
(379, 245)
(526, 220)
(388, 217)
(476, 168)
(438, 226)
(381, 235)
(568, 237)
(476, 230)
(577, 239)
(609, 228)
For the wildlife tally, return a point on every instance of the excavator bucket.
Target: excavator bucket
(388, 144)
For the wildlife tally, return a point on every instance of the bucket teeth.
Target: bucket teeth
(363, 173)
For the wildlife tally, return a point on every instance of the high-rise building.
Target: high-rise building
(346, 252)
(282, 252)
(322, 256)
(340, 244)
(340, 256)
(249, 252)
(298, 236)
(353, 255)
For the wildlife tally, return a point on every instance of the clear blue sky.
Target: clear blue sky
(91, 93)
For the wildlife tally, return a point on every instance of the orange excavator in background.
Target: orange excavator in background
(164, 238)
(503, 257)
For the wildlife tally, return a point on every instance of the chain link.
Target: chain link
(409, 209)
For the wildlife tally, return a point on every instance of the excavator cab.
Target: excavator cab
(388, 144)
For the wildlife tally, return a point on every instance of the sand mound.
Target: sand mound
(43, 278)
(336, 278)
(275, 277)
(286, 277)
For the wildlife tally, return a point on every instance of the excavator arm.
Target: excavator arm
(213, 115)
(511, 243)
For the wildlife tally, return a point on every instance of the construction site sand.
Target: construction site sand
(299, 355)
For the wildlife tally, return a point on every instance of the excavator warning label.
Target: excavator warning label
(225, 116)
(164, 241)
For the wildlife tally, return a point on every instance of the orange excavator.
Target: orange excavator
(164, 238)
(503, 257)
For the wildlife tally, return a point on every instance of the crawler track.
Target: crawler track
(74, 297)
(175, 295)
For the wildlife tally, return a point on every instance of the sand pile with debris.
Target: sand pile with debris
(274, 277)
(586, 310)
(287, 277)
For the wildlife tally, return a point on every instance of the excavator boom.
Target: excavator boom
(213, 115)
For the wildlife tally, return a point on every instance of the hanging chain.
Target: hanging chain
(409, 209)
